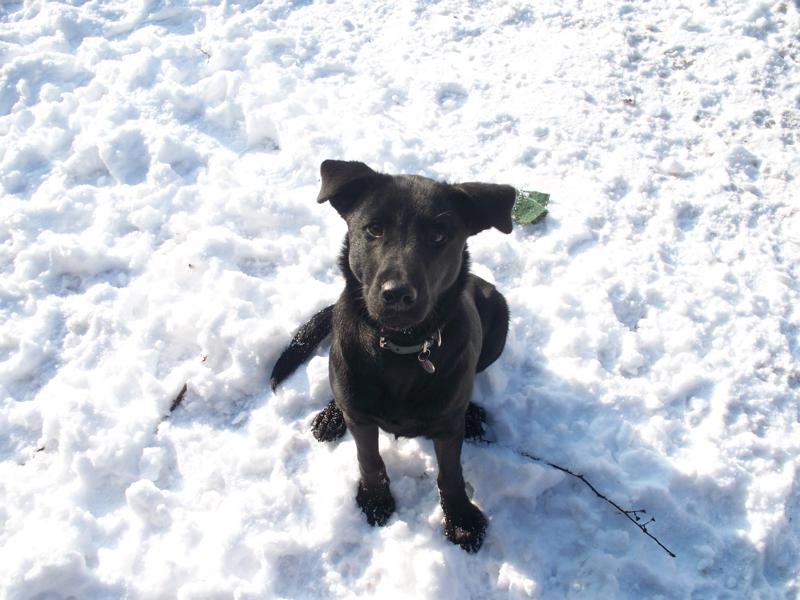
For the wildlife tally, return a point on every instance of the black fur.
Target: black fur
(406, 270)
(304, 342)
(329, 424)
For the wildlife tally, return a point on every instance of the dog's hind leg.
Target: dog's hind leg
(474, 421)
(493, 311)
(328, 425)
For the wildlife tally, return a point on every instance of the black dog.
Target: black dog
(411, 328)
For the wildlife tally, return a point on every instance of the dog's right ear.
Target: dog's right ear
(343, 181)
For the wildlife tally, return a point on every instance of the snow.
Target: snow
(158, 166)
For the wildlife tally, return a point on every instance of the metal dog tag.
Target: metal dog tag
(427, 365)
(424, 358)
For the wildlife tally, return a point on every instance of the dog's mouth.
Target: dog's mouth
(397, 321)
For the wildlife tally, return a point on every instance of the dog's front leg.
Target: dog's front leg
(374, 496)
(464, 523)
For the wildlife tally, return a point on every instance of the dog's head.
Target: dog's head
(407, 234)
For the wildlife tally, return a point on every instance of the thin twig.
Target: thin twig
(179, 398)
(631, 515)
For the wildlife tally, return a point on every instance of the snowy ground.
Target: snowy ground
(159, 164)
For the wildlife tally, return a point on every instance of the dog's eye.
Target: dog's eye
(438, 236)
(375, 230)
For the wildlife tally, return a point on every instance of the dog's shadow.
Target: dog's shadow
(551, 534)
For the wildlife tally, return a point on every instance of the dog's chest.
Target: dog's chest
(406, 400)
(414, 411)
(406, 387)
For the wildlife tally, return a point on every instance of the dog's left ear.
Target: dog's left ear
(489, 205)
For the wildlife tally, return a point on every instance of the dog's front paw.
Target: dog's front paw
(329, 424)
(467, 527)
(376, 503)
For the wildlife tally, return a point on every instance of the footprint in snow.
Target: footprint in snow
(451, 96)
(742, 161)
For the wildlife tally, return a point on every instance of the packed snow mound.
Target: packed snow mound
(158, 167)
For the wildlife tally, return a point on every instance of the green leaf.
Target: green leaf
(530, 207)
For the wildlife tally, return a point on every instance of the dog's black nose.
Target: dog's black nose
(394, 292)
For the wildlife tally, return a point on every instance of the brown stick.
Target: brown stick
(179, 398)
